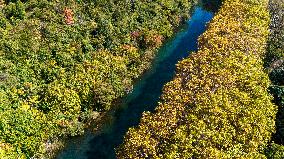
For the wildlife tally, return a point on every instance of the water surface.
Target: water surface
(144, 97)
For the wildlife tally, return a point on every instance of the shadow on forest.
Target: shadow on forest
(211, 5)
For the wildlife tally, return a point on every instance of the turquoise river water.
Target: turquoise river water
(144, 97)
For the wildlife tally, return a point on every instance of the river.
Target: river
(144, 97)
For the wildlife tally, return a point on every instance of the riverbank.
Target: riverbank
(60, 60)
(144, 96)
(94, 120)
(217, 105)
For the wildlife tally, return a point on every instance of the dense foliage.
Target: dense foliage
(217, 106)
(275, 59)
(275, 151)
(60, 60)
(275, 65)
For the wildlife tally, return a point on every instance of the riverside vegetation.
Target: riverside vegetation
(218, 105)
(60, 60)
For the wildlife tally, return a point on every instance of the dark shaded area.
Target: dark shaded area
(211, 5)
(274, 63)
(144, 97)
(278, 94)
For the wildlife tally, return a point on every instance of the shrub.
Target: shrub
(217, 106)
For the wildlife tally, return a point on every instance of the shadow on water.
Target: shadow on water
(144, 97)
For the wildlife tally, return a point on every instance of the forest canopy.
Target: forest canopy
(60, 60)
(218, 105)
